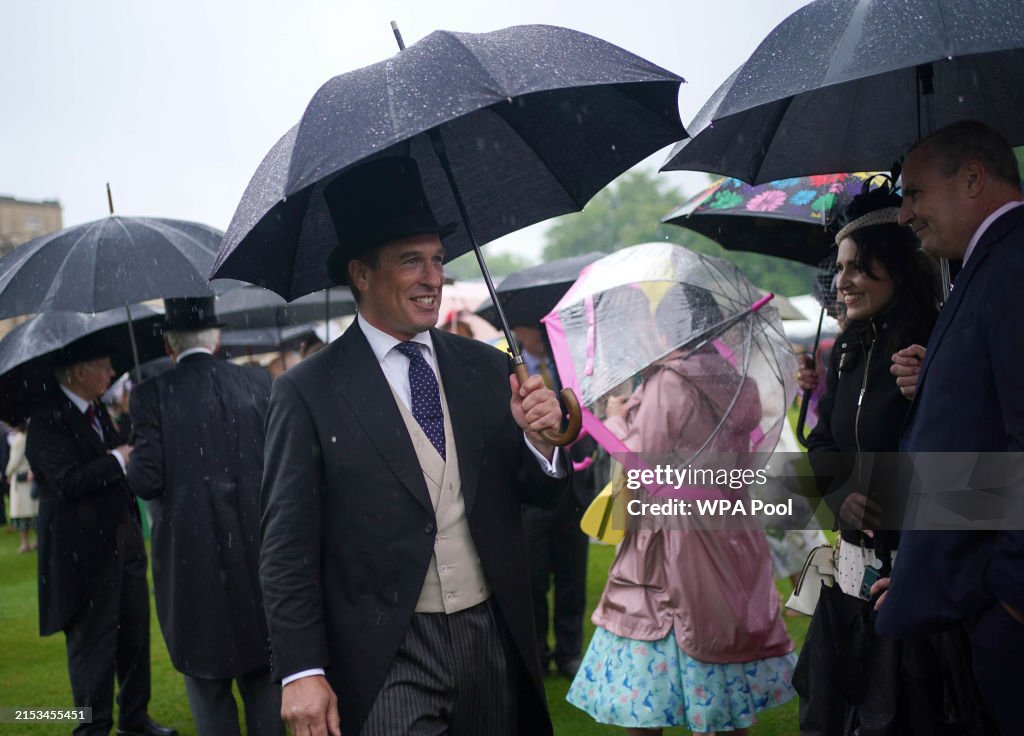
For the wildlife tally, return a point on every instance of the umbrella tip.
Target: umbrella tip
(398, 36)
(110, 199)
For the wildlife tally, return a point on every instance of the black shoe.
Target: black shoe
(148, 727)
(569, 668)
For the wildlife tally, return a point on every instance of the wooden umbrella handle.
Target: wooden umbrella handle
(572, 404)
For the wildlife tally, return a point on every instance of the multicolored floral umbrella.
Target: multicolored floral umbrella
(787, 218)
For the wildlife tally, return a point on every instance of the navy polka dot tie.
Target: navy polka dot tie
(426, 397)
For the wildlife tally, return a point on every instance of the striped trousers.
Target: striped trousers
(453, 674)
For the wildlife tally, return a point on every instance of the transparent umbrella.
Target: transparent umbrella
(658, 307)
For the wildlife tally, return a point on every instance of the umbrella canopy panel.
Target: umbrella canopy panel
(529, 294)
(253, 307)
(109, 263)
(535, 121)
(635, 308)
(843, 85)
(25, 352)
(788, 218)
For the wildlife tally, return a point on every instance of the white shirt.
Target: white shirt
(192, 351)
(396, 370)
(985, 226)
(83, 406)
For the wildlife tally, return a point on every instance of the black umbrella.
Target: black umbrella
(25, 352)
(239, 343)
(528, 295)
(109, 263)
(848, 85)
(508, 128)
(253, 307)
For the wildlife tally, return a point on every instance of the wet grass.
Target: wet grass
(33, 672)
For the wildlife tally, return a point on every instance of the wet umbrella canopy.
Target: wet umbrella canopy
(253, 307)
(787, 218)
(527, 295)
(637, 307)
(109, 263)
(535, 121)
(845, 85)
(26, 351)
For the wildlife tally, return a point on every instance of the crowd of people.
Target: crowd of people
(362, 541)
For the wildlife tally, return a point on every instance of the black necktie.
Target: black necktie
(426, 396)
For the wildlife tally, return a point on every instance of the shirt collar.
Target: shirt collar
(81, 404)
(192, 351)
(985, 226)
(382, 343)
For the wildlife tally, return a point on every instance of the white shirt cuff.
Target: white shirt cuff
(553, 468)
(120, 460)
(299, 675)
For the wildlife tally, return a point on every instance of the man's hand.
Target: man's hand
(310, 707)
(880, 586)
(861, 513)
(906, 364)
(125, 451)
(1014, 611)
(535, 409)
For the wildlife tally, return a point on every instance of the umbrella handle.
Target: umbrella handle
(572, 406)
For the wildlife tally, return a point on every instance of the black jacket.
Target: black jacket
(349, 529)
(83, 499)
(198, 459)
(853, 447)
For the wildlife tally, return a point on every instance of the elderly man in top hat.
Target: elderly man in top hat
(393, 564)
(198, 461)
(92, 561)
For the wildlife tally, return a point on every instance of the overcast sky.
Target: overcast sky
(176, 103)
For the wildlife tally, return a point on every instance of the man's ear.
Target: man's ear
(974, 178)
(167, 349)
(357, 274)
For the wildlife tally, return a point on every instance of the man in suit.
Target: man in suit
(961, 189)
(92, 561)
(393, 565)
(198, 461)
(556, 546)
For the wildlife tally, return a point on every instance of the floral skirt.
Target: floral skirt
(654, 684)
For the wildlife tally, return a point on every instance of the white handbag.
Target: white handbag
(820, 568)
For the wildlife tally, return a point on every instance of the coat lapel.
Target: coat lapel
(361, 382)
(77, 421)
(459, 375)
(996, 232)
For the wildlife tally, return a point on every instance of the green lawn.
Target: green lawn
(33, 671)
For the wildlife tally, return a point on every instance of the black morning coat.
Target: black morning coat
(348, 526)
(83, 499)
(198, 460)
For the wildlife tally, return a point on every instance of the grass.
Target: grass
(33, 672)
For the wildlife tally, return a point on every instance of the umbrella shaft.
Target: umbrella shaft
(442, 155)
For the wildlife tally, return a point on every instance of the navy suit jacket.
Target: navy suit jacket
(970, 398)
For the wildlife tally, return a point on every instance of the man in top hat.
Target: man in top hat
(198, 461)
(393, 564)
(92, 560)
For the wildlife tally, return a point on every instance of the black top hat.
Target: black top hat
(188, 314)
(375, 203)
(81, 350)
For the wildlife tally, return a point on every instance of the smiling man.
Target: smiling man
(393, 564)
(962, 195)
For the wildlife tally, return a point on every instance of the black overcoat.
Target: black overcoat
(348, 527)
(198, 460)
(83, 500)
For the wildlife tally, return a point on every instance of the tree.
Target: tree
(465, 267)
(629, 212)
